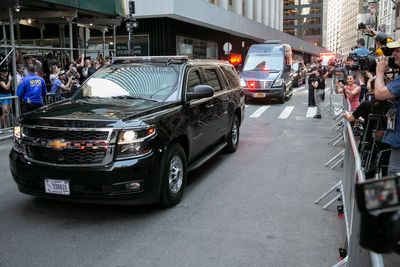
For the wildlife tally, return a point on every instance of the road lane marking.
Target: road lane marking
(259, 111)
(286, 113)
(311, 112)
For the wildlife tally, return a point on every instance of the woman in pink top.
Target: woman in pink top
(352, 92)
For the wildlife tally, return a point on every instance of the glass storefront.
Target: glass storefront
(196, 49)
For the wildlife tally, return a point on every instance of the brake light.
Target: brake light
(251, 85)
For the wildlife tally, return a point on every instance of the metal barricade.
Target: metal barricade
(352, 173)
(9, 113)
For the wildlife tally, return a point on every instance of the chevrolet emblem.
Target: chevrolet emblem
(57, 144)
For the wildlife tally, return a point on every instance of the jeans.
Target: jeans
(318, 93)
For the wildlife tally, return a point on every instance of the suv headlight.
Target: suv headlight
(278, 83)
(17, 146)
(132, 142)
(18, 132)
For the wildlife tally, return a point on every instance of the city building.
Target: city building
(267, 12)
(200, 28)
(333, 25)
(386, 17)
(351, 15)
(304, 19)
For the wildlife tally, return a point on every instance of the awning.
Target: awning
(105, 7)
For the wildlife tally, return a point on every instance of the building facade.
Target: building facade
(267, 12)
(304, 19)
(333, 22)
(386, 17)
(201, 29)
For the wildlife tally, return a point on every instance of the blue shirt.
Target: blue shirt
(361, 51)
(56, 86)
(32, 89)
(393, 137)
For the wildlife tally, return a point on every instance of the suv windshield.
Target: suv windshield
(137, 81)
(264, 62)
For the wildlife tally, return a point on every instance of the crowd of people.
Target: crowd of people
(370, 80)
(35, 78)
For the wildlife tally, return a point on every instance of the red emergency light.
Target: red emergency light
(235, 59)
(326, 57)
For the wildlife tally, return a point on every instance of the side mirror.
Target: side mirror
(199, 92)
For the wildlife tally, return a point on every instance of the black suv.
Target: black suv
(131, 133)
(300, 73)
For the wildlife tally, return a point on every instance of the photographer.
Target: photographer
(351, 91)
(73, 72)
(62, 83)
(390, 91)
(360, 50)
(312, 75)
(318, 85)
(378, 110)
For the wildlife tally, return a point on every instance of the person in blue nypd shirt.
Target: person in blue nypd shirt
(386, 92)
(32, 91)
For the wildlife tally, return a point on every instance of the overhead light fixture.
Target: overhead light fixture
(91, 24)
(17, 7)
(111, 43)
(29, 21)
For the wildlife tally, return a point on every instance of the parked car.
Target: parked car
(267, 71)
(299, 73)
(131, 133)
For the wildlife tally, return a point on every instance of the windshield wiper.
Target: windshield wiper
(133, 97)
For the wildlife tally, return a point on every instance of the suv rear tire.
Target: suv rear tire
(174, 174)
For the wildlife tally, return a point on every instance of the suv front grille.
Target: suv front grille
(68, 146)
(51, 134)
(68, 156)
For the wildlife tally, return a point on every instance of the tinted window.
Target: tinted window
(263, 62)
(266, 49)
(212, 79)
(231, 76)
(193, 80)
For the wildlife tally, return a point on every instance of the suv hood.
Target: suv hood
(102, 111)
(260, 75)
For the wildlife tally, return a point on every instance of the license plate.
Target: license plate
(259, 95)
(59, 187)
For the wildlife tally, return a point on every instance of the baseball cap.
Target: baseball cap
(381, 37)
(395, 44)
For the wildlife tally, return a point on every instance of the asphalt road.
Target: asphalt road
(251, 208)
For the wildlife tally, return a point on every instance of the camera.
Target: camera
(358, 130)
(363, 63)
(379, 204)
(361, 26)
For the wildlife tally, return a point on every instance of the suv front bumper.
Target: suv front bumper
(263, 93)
(106, 184)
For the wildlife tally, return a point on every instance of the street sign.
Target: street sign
(227, 47)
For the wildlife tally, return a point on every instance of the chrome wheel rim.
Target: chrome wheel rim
(235, 133)
(175, 174)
